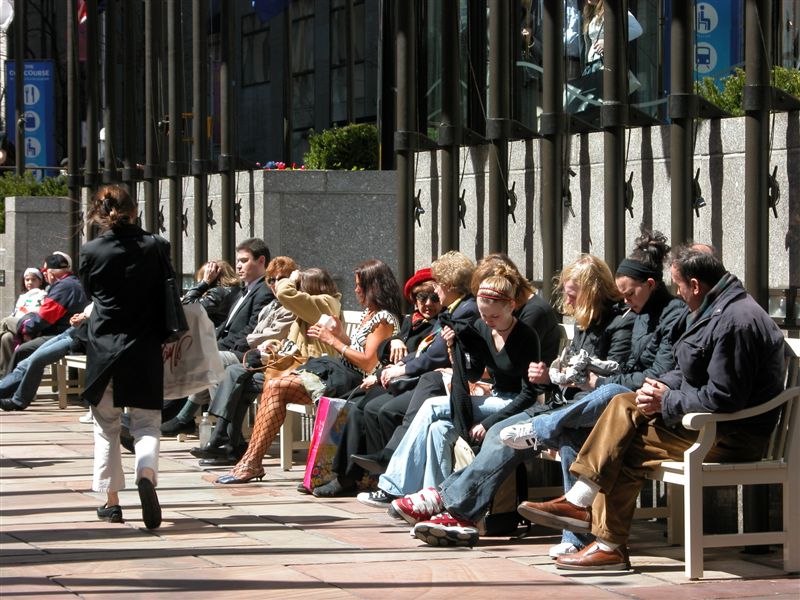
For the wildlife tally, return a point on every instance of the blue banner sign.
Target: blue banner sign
(39, 146)
(718, 44)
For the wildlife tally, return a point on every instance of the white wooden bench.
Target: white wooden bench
(299, 423)
(781, 465)
(70, 385)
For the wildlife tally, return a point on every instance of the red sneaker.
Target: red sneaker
(446, 530)
(417, 507)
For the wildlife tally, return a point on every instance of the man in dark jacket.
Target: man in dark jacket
(729, 358)
(65, 297)
(252, 256)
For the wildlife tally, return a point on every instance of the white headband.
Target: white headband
(33, 271)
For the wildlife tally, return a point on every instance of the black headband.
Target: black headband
(638, 270)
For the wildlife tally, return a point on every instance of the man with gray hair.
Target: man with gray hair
(729, 358)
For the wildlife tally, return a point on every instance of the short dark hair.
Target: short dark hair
(257, 247)
(693, 263)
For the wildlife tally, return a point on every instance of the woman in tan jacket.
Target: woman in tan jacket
(308, 294)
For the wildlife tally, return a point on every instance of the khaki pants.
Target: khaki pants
(625, 445)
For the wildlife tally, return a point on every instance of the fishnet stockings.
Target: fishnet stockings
(269, 418)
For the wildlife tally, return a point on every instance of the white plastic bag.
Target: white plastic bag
(192, 363)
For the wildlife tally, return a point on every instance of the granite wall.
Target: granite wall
(35, 227)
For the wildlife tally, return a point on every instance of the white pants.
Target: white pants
(145, 427)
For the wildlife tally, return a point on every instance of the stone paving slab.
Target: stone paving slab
(266, 540)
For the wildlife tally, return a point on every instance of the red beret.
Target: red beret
(420, 276)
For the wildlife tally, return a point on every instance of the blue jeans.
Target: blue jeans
(567, 429)
(468, 492)
(24, 380)
(425, 455)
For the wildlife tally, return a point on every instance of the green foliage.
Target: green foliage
(351, 148)
(12, 184)
(729, 98)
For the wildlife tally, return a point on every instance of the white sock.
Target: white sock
(606, 546)
(583, 492)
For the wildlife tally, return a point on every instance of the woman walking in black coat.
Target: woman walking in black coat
(123, 271)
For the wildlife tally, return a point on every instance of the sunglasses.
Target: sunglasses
(271, 280)
(424, 297)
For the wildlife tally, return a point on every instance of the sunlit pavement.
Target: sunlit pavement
(265, 540)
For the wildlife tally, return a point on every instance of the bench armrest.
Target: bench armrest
(696, 421)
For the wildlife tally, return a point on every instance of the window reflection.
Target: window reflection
(789, 34)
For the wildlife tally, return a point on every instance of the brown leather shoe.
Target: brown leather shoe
(558, 514)
(593, 558)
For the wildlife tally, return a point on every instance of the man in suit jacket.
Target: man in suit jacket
(252, 256)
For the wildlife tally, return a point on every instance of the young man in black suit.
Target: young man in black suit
(252, 257)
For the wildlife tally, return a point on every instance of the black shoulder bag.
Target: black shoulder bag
(175, 324)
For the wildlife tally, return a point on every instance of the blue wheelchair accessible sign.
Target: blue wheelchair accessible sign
(40, 135)
(718, 38)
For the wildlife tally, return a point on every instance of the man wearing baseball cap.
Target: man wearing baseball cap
(65, 297)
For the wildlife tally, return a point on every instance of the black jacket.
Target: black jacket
(123, 272)
(435, 356)
(232, 336)
(651, 341)
(729, 358)
(216, 300)
(608, 338)
(411, 333)
(542, 318)
(508, 367)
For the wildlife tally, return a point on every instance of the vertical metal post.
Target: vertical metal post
(227, 162)
(756, 100)
(130, 127)
(406, 96)
(499, 108)
(152, 12)
(613, 115)
(73, 130)
(288, 127)
(110, 172)
(175, 168)
(388, 91)
(552, 128)
(350, 41)
(682, 112)
(199, 137)
(19, 86)
(451, 124)
(91, 175)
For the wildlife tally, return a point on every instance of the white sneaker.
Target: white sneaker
(377, 499)
(562, 549)
(87, 418)
(520, 436)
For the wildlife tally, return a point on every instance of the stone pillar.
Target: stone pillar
(35, 227)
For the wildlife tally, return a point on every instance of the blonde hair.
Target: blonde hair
(454, 270)
(498, 263)
(596, 288)
(592, 11)
(227, 274)
(497, 288)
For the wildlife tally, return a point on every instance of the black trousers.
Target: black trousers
(353, 439)
(388, 422)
